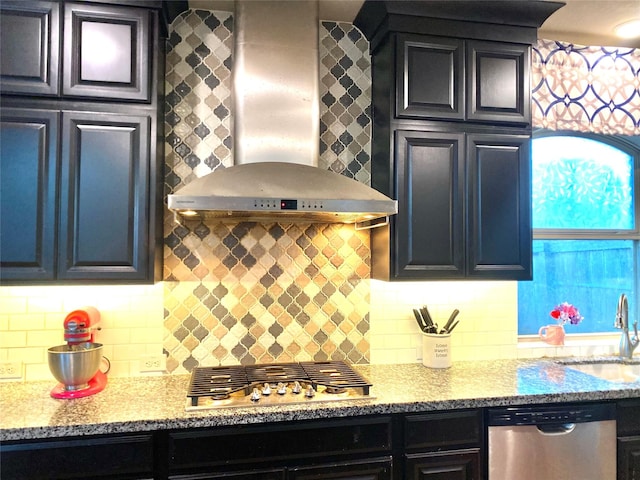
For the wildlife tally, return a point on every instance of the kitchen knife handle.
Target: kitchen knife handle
(453, 316)
(419, 319)
(426, 316)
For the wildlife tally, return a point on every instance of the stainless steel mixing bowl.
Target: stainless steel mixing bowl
(75, 365)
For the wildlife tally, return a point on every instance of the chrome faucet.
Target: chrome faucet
(627, 345)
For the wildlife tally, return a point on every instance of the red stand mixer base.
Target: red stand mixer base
(96, 385)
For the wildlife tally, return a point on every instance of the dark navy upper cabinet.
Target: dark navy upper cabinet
(464, 207)
(498, 82)
(76, 50)
(28, 192)
(499, 205)
(430, 77)
(29, 47)
(80, 215)
(82, 96)
(444, 78)
(451, 135)
(104, 197)
(106, 52)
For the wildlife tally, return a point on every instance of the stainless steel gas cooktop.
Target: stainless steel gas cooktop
(274, 384)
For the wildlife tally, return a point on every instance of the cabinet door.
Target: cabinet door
(628, 458)
(106, 52)
(370, 469)
(453, 465)
(29, 47)
(429, 228)
(430, 77)
(28, 169)
(104, 197)
(499, 206)
(498, 83)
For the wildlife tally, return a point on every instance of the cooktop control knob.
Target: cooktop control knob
(255, 395)
(282, 388)
(297, 388)
(309, 392)
(266, 390)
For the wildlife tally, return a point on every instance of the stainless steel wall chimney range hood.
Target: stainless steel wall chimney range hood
(276, 131)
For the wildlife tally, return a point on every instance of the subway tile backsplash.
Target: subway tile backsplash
(31, 321)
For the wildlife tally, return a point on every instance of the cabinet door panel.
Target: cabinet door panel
(28, 168)
(499, 206)
(103, 212)
(29, 47)
(498, 82)
(429, 225)
(430, 77)
(106, 52)
(454, 465)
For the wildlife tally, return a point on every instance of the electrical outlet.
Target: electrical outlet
(10, 370)
(153, 363)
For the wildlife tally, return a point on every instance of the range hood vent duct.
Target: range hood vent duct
(275, 176)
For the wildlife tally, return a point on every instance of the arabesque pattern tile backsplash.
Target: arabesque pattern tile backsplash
(245, 292)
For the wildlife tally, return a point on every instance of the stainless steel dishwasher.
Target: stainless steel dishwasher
(552, 442)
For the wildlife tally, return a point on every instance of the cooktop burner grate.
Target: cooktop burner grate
(216, 382)
(276, 372)
(336, 374)
(219, 383)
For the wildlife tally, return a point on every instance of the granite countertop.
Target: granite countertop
(156, 403)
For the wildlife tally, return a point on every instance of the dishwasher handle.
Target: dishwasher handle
(556, 429)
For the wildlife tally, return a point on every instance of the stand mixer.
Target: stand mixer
(76, 364)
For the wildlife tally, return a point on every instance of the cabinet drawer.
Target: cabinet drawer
(441, 431)
(269, 474)
(369, 469)
(455, 465)
(105, 457)
(232, 446)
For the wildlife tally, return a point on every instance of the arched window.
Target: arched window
(585, 229)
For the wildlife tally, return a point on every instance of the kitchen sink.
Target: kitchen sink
(609, 370)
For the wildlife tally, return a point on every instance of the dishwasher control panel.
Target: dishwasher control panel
(550, 414)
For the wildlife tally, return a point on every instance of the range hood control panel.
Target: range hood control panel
(288, 204)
